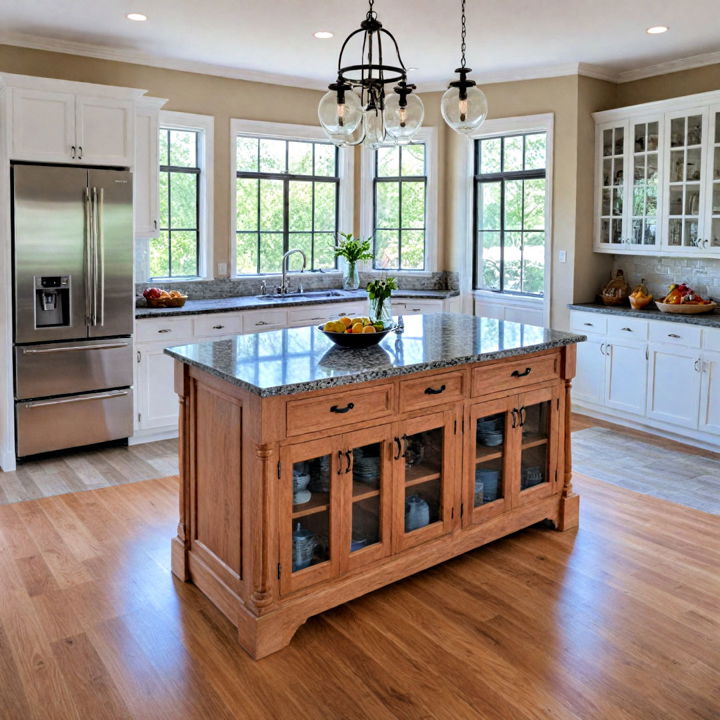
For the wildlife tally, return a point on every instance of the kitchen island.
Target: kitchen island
(311, 475)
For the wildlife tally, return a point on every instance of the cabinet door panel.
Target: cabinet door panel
(43, 125)
(611, 186)
(674, 385)
(710, 394)
(104, 130)
(157, 402)
(145, 177)
(644, 198)
(711, 239)
(626, 380)
(589, 383)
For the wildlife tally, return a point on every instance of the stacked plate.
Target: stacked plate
(365, 467)
(320, 474)
(486, 485)
(489, 431)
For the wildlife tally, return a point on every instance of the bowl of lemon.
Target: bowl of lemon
(355, 332)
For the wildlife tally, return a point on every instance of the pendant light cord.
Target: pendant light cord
(463, 32)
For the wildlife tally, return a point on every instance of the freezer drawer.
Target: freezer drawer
(72, 367)
(59, 423)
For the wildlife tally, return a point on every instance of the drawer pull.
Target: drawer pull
(525, 373)
(434, 391)
(341, 410)
(626, 329)
(260, 322)
(674, 335)
(589, 324)
(218, 327)
(165, 330)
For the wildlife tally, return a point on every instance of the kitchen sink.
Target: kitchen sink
(312, 295)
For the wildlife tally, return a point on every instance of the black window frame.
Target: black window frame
(502, 176)
(197, 171)
(400, 179)
(287, 178)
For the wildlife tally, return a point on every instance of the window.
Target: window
(510, 213)
(400, 207)
(181, 249)
(287, 195)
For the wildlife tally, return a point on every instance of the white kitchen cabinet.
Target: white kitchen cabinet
(712, 209)
(104, 130)
(589, 382)
(408, 306)
(214, 325)
(156, 401)
(43, 125)
(611, 224)
(147, 168)
(625, 379)
(674, 385)
(710, 393)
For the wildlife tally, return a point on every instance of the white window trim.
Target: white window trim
(427, 135)
(205, 124)
(288, 131)
(511, 126)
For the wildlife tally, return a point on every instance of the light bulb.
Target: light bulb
(340, 120)
(341, 114)
(462, 109)
(403, 121)
(403, 117)
(467, 114)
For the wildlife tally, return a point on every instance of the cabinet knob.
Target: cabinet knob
(626, 329)
(165, 330)
(218, 327)
(674, 335)
(589, 324)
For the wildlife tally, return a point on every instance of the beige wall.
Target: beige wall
(662, 87)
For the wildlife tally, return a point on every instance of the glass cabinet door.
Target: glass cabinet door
(612, 184)
(712, 234)
(424, 460)
(685, 168)
(644, 183)
(366, 475)
(309, 488)
(490, 443)
(537, 424)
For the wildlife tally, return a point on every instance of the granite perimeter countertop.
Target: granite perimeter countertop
(298, 360)
(255, 302)
(709, 319)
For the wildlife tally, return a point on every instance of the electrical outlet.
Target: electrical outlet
(222, 268)
(562, 256)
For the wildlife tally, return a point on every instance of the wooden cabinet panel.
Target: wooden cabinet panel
(338, 409)
(510, 374)
(104, 131)
(430, 391)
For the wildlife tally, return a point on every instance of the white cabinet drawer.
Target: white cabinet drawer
(164, 329)
(626, 328)
(675, 333)
(588, 323)
(221, 324)
(711, 339)
(311, 315)
(415, 307)
(255, 321)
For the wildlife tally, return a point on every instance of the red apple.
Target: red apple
(152, 293)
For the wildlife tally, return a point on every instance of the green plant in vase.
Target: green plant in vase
(379, 292)
(353, 250)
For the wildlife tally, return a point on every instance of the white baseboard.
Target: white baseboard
(703, 441)
(146, 436)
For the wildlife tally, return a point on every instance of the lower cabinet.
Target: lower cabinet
(156, 401)
(589, 383)
(674, 380)
(710, 394)
(626, 376)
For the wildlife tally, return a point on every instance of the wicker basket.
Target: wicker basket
(171, 302)
(685, 309)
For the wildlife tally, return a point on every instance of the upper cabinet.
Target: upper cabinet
(657, 178)
(147, 166)
(68, 122)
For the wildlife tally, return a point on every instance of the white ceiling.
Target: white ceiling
(272, 39)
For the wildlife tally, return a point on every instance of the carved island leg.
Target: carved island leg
(569, 501)
(180, 544)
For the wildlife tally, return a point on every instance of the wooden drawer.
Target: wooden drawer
(164, 329)
(513, 374)
(711, 339)
(432, 390)
(588, 323)
(627, 328)
(675, 333)
(255, 321)
(221, 324)
(336, 409)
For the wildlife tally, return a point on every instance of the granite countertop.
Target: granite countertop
(297, 360)
(709, 319)
(253, 302)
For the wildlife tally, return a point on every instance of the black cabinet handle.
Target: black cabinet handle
(398, 454)
(433, 391)
(523, 415)
(72, 151)
(79, 152)
(341, 410)
(525, 373)
(348, 458)
(514, 417)
(218, 327)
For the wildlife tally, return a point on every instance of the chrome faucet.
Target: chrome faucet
(283, 289)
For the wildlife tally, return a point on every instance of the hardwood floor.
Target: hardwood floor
(619, 620)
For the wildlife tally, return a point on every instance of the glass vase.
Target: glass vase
(379, 309)
(351, 276)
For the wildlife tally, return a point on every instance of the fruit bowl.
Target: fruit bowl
(685, 308)
(355, 340)
(167, 302)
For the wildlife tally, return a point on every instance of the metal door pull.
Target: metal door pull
(345, 409)
(63, 401)
(525, 373)
(433, 391)
(673, 335)
(41, 351)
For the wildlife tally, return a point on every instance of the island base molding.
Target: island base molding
(263, 635)
(293, 504)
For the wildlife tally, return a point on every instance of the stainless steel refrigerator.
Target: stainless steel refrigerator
(73, 306)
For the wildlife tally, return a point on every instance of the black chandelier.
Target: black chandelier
(355, 109)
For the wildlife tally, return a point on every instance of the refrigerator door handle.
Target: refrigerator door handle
(80, 398)
(100, 254)
(72, 348)
(89, 228)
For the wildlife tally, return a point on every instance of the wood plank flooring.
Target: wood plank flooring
(619, 620)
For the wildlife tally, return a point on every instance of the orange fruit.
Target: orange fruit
(346, 321)
(357, 327)
(368, 329)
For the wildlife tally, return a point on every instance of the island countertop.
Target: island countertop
(298, 360)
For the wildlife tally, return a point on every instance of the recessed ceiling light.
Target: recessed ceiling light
(657, 30)
(323, 34)
(411, 69)
(137, 17)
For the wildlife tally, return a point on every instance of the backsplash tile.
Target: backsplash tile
(703, 275)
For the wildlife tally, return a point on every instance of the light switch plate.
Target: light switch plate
(222, 268)
(562, 256)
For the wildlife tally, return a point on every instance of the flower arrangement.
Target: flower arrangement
(379, 292)
(353, 250)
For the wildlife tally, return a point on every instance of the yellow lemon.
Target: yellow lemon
(368, 329)
(356, 321)
(329, 326)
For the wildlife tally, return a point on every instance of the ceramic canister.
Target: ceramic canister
(304, 543)
(417, 513)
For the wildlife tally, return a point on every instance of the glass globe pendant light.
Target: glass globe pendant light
(464, 106)
(355, 109)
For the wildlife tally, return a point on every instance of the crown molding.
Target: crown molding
(139, 57)
(670, 66)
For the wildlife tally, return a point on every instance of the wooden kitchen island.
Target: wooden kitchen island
(311, 475)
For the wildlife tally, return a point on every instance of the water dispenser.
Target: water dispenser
(52, 301)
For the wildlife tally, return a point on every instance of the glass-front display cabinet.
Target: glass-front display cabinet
(712, 232)
(514, 445)
(425, 456)
(644, 183)
(610, 218)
